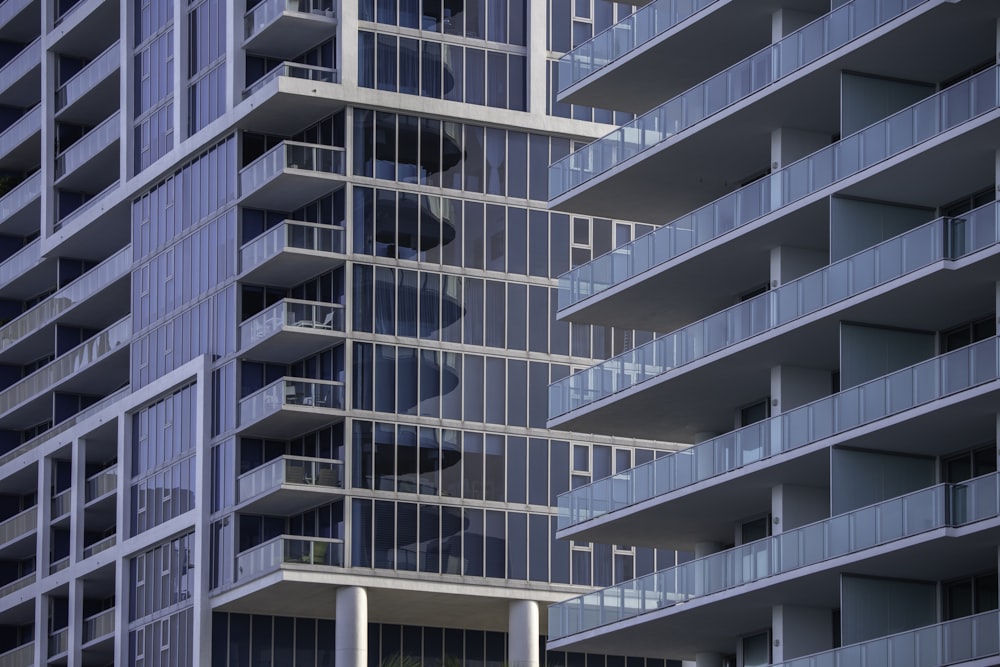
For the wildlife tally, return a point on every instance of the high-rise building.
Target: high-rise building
(277, 284)
(825, 174)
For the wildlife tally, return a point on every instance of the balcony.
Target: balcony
(99, 546)
(19, 18)
(17, 527)
(98, 151)
(20, 143)
(60, 505)
(901, 256)
(284, 100)
(622, 272)
(641, 495)
(292, 252)
(854, 532)
(949, 643)
(290, 484)
(99, 626)
(91, 283)
(291, 175)
(285, 28)
(22, 656)
(288, 550)
(76, 371)
(16, 585)
(102, 198)
(101, 484)
(291, 329)
(291, 406)
(20, 78)
(20, 208)
(92, 93)
(58, 642)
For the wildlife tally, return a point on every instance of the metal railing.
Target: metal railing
(25, 126)
(292, 313)
(23, 194)
(291, 392)
(89, 145)
(22, 260)
(849, 533)
(771, 64)
(19, 525)
(59, 565)
(113, 268)
(101, 483)
(948, 643)
(22, 656)
(97, 70)
(60, 504)
(17, 584)
(944, 238)
(58, 642)
(306, 471)
(295, 71)
(99, 625)
(291, 155)
(291, 234)
(11, 8)
(263, 14)
(868, 402)
(29, 58)
(288, 549)
(100, 545)
(851, 155)
(85, 206)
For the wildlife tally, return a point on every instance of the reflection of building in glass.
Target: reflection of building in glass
(277, 285)
(825, 179)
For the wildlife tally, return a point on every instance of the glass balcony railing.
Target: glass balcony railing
(59, 565)
(60, 504)
(292, 313)
(99, 625)
(100, 545)
(19, 525)
(113, 268)
(22, 260)
(624, 37)
(291, 392)
(85, 354)
(849, 156)
(17, 585)
(22, 656)
(911, 514)
(948, 643)
(295, 71)
(291, 155)
(266, 12)
(26, 192)
(288, 549)
(291, 470)
(82, 82)
(796, 50)
(891, 136)
(11, 8)
(101, 484)
(291, 234)
(866, 403)
(58, 642)
(92, 143)
(944, 238)
(25, 126)
(29, 58)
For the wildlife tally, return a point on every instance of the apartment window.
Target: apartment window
(969, 333)
(973, 463)
(755, 412)
(970, 595)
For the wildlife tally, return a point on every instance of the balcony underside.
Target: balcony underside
(287, 105)
(95, 172)
(36, 279)
(290, 421)
(24, 221)
(93, 106)
(694, 397)
(915, 177)
(291, 344)
(703, 163)
(25, 22)
(290, 267)
(291, 189)
(24, 156)
(289, 499)
(75, 34)
(708, 510)
(691, 52)
(290, 34)
(712, 622)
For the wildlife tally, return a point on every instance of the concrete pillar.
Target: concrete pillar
(793, 506)
(793, 386)
(352, 627)
(522, 634)
(797, 631)
(75, 634)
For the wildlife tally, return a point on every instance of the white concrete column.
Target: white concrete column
(797, 631)
(792, 386)
(75, 633)
(793, 506)
(787, 146)
(351, 646)
(522, 634)
(537, 29)
(347, 43)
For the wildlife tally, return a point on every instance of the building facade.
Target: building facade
(276, 309)
(825, 176)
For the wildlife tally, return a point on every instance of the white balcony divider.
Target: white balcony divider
(291, 234)
(852, 532)
(97, 70)
(866, 403)
(944, 238)
(84, 287)
(853, 154)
